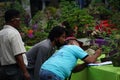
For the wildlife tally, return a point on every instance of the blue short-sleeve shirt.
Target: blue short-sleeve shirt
(64, 60)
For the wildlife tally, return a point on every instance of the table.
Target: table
(104, 72)
(80, 75)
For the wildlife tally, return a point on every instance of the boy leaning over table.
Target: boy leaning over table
(60, 65)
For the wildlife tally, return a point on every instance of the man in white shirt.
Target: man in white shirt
(12, 48)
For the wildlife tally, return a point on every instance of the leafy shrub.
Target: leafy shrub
(38, 36)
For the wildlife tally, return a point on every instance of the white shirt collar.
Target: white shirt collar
(9, 26)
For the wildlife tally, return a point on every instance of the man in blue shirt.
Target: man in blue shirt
(60, 65)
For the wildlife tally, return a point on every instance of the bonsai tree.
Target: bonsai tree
(76, 16)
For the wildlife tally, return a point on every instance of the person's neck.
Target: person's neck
(53, 43)
(10, 24)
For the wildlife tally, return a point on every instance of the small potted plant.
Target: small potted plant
(114, 55)
(112, 50)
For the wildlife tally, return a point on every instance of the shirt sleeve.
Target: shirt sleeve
(79, 52)
(17, 44)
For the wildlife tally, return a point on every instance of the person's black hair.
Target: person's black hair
(56, 32)
(66, 24)
(69, 30)
(10, 14)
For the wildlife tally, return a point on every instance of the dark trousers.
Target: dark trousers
(31, 72)
(10, 72)
(48, 75)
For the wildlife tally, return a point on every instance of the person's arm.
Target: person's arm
(79, 67)
(93, 58)
(20, 62)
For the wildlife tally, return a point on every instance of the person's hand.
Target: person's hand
(98, 51)
(27, 76)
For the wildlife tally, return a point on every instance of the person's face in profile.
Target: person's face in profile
(60, 40)
(16, 21)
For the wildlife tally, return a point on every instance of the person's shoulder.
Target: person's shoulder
(71, 46)
(45, 43)
(11, 30)
(1, 30)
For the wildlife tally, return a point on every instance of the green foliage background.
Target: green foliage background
(67, 11)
